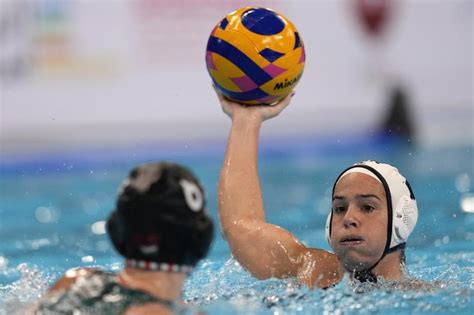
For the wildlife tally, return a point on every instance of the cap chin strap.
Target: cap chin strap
(367, 275)
(154, 266)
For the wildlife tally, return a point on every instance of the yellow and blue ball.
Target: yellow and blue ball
(255, 56)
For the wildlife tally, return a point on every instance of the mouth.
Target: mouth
(351, 240)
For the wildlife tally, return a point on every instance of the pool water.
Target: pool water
(52, 210)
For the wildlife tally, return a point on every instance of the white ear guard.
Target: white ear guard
(401, 201)
(404, 219)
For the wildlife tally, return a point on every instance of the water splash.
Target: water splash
(21, 286)
(226, 288)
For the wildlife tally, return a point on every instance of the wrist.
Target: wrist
(247, 116)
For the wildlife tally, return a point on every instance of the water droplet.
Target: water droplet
(467, 203)
(98, 228)
(46, 214)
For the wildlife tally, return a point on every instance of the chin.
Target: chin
(356, 262)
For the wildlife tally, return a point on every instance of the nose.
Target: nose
(350, 218)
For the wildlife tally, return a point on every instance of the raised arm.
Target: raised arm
(264, 249)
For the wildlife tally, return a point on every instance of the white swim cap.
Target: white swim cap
(401, 203)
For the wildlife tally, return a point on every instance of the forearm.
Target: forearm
(240, 196)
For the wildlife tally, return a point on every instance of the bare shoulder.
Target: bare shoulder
(321, 269)
(66, 281)
(70, 278)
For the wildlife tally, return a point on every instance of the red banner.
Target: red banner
(373, 15)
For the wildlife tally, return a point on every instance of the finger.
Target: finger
(219, 94)
(223, 99)
(284, 102)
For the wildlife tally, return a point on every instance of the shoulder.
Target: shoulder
(61, 286)
(320, 269)
(70, 277)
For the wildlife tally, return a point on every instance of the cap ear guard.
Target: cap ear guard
(404, 212)
(405, 216)
(193, 195)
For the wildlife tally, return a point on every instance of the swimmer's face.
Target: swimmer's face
(359, 221)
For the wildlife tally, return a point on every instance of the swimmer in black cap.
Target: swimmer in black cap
(373, 213)
(161, 228)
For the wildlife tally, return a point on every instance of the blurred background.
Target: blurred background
(107, 74)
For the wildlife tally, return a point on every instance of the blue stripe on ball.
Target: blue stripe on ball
(223, 24)
(238, 58)
(297, 40)
(270, 55)
(252, 95)
(262, 21)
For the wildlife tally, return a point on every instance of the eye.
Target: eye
(338, 209)
(367, 208)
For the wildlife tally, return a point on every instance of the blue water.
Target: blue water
(52, 207)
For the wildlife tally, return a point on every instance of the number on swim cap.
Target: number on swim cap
(192, 195)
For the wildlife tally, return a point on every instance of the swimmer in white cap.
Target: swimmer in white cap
(373, 213)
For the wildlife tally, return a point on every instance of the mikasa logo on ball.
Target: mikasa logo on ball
(286, 83)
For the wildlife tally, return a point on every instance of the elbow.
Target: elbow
(261, 276)
(232, 226)
(238, 231)
(233, 237)
(228, 229)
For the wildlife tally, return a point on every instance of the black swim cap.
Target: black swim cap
(160, 222)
